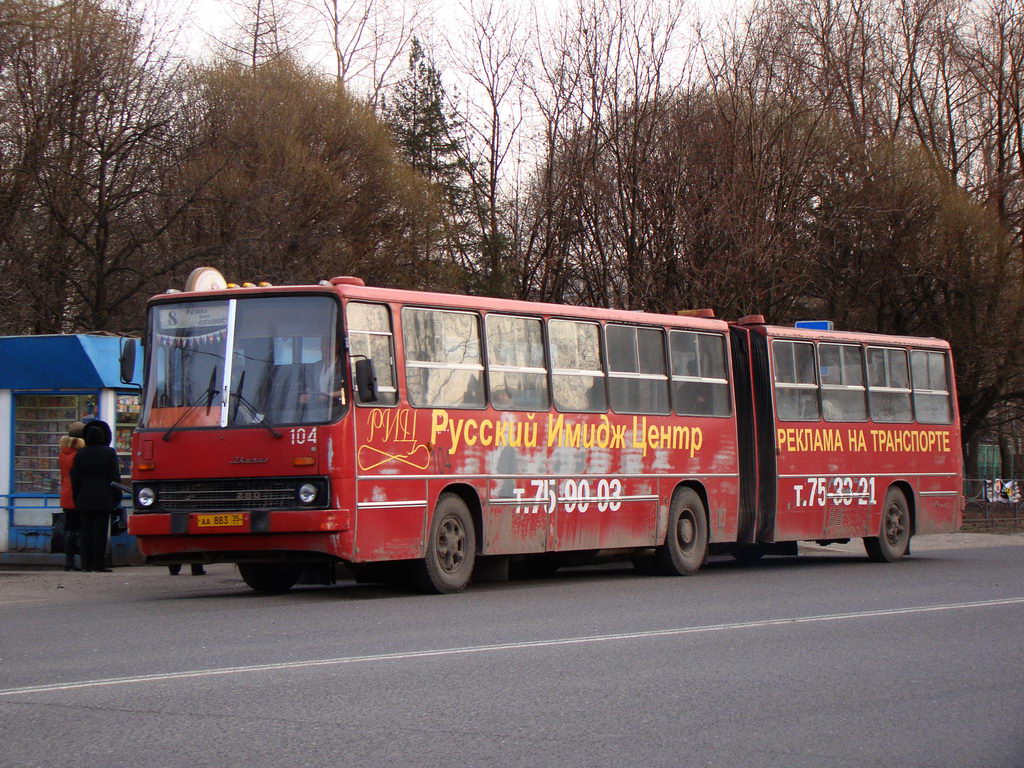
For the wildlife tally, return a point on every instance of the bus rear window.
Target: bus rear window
(932, 401)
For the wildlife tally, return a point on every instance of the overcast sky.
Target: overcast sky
(211, 18)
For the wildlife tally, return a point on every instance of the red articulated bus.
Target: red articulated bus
(290, 429)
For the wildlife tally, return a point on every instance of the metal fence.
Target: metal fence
(987, 507)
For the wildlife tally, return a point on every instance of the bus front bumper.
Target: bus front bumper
(248, 522)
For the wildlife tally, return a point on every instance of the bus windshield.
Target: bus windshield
(246, 361)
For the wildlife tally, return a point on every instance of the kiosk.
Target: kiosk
(46, 383)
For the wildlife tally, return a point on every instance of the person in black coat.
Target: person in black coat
(94, 470)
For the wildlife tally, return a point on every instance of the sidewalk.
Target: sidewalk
(18, 560)
(27, 585)
(122, 549)
(929, 542)
(55, 561)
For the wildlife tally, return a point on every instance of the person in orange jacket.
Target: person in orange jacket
(69, 445)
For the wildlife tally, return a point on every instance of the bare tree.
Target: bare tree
(603, 87)
(995, 50)
(931, 88)
(96, 109)
(261, 31)
(492, 54)
(368, 39)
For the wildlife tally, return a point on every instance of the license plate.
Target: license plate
(220, 521)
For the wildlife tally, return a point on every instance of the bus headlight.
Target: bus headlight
(146, 497)
(307, 493)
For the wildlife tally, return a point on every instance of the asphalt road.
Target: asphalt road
(821, 660)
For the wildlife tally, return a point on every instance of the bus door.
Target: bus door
(747, 434)
(756, 428)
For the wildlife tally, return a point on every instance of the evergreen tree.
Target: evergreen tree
(429, 133)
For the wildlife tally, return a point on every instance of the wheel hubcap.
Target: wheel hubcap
(451, 544)
(894, 527)
(685, 531)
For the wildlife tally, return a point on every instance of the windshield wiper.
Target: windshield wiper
(257, 417)
(208, 394)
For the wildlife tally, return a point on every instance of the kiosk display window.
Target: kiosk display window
(129, 406)
(39, 423)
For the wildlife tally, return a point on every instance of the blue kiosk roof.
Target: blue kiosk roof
(81, 361)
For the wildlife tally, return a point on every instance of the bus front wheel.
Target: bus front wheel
(270, 577)
(686, 541)
(451, 548)
(894, 536)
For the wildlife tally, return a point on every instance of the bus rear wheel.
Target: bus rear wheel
(270, 577)
(451, 548)
(894, 537)
(686, 541)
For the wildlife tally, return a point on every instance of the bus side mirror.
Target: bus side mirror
(366, 380)
(127, 361)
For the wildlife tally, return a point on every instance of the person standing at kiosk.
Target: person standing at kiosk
(92, 476)
(70, 444)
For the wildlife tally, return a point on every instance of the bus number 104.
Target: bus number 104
(818, 491)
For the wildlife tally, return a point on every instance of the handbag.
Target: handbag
(118, 522)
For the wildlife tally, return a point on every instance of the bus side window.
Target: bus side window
(517, 375)
(842, 382)
(796, 387)
(700, 384)
(443, 367)
(932, 401)
(637, 382)
(889, 385)
(369, 335)
(577, 376)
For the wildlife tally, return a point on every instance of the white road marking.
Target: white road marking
(497, 647)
